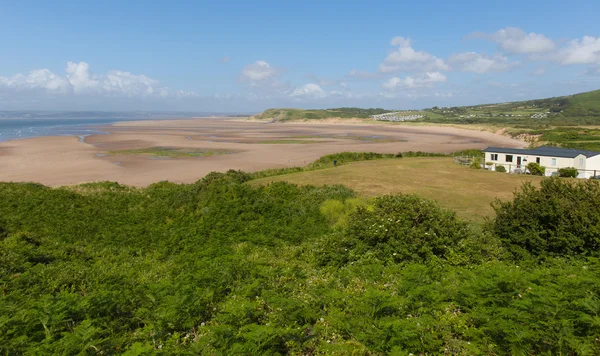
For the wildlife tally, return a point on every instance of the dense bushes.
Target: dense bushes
(560, 218)
(568, 172)
(405, 228)
(500, 169)
(535, 169)
(219, 267)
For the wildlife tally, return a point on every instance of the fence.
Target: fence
(518, 168)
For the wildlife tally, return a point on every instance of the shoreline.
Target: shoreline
(195, 145)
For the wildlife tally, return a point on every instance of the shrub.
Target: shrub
(468, 152)
(501, 169)
(347, 157)
(559, 218)
(419, 154)
(476, 164)
(405, 228)
(535, 169)
(337, 212)
(569, 172)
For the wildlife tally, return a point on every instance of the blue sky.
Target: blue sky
(241, 56)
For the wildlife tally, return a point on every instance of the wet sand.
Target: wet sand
(250, 146)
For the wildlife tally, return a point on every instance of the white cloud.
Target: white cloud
(80, 77)
(259, 71)
(80, 80)
(426, 80)
(584, 51)
(39, 79)
(308, 91)
(406, 58)
(479, 63)
(400, 41)
(226, 59)
(130, 84)
(516, 41)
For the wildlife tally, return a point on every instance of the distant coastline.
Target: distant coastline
(16, 125)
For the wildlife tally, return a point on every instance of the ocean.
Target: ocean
(26, 124)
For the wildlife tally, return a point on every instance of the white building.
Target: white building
(553, 158)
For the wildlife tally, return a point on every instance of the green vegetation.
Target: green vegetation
(501, 169)
(536, 169)
(476, 164)
(570, 137)
(171, 152)
(579, 109)
(300, 115)
(220, 267)
(568, 172)
(561, 218)
(568, 121)
(283, 115)
(289, 142)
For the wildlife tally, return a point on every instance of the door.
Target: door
(519, 161)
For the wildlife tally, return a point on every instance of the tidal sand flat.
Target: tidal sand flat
(189, 149)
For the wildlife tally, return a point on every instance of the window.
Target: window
(553, 161)
(494, 157)
(537, 160)
(509, 158)
(581, 162)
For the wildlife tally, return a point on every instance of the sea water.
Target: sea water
(26, 124)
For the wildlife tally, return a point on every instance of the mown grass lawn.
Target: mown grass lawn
(468, 192)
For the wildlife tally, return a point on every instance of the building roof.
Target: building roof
(546, 151)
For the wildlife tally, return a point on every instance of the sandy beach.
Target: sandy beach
(227, 144)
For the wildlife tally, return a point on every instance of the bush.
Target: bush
(501, 169)
(476, 164)
(560, 218)
(569, 172)
(347, 157)
(535, 169)
(337, 212)
(468, 152)
(405, 228)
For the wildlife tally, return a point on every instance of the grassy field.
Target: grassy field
(466, 191)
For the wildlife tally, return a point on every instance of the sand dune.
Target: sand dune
(249, 146)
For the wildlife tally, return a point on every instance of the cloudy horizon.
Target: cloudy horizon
(407, 67)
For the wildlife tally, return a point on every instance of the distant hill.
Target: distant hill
(299, 114)
(575, 109)
(578, 109)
